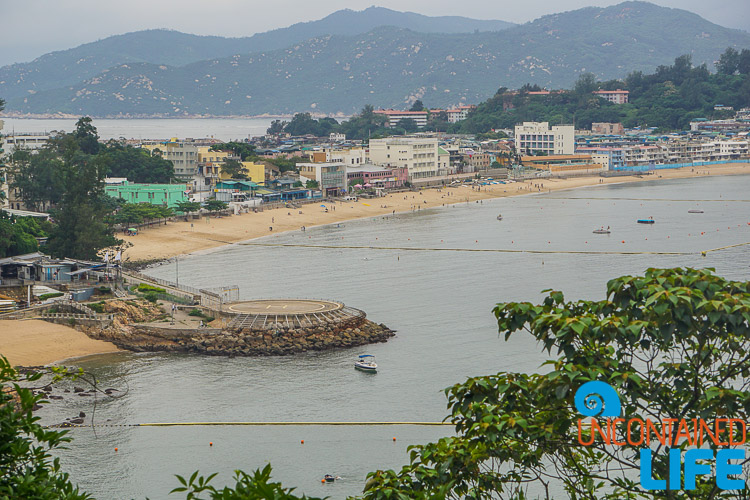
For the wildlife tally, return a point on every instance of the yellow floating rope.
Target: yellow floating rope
(173, 424)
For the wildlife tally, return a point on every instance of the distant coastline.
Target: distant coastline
(158, 116)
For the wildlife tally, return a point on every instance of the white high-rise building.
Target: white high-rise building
(419, 155)
(533, 137)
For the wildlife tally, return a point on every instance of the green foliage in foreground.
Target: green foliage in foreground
(26, 468)
(674, 343)
(248, 486)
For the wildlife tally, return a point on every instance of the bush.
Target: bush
(208, 319)
(28, 470)
(52, 295)
(196, 312)
(143, 287)
(98, 308)
(104, 289)
(151, 296)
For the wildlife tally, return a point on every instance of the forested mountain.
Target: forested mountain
(172, 48)
(392, 67)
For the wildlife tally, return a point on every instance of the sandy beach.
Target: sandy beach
(36, 342)
(180, 238)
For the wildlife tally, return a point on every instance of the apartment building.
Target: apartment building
(349, 157)
(614, 96)
(27, 140)
(419, 155)
(394, 116)
(535, 137)
(182, 154)
(459, 113)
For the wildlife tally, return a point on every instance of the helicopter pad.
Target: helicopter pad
(284, 306)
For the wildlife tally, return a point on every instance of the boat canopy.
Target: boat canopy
(366, 356)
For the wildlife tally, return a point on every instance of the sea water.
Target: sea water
(439, 302)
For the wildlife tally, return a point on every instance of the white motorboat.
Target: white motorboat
(601, 230)
(366, 363)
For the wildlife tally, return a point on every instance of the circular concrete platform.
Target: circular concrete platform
(284, 306)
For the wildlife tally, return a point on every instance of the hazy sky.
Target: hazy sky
(30, 28)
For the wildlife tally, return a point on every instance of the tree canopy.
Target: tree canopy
(245, 151)
(138, 165)
(26, 468)
(667, 99)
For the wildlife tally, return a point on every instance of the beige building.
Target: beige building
(182, 154)
(614, 96)
(417, 154)
(535, 137)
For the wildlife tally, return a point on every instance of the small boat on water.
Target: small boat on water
(650, 220)
(329, 478)
(602, 231)
(499, 217)
(366, 363)
(695, 211)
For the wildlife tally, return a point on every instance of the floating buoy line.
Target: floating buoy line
(493, 250)
(255, 424)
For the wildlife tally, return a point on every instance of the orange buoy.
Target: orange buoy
(211, 443)
(115, 449)
(302, 441)
(394, 439)
(623, 241)
(323, 481)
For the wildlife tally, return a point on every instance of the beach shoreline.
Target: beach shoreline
(200, 236)
(40, 343)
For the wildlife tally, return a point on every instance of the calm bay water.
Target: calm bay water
(439, 302)
(225, 129)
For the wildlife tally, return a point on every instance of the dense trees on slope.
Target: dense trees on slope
(137, 164)
(667, 99)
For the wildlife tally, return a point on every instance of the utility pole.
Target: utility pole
(177, 270)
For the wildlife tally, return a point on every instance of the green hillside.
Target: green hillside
(166, 47)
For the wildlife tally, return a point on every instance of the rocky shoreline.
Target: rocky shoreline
(131, 331)
(283, 342)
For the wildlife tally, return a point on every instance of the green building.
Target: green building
(156, 194)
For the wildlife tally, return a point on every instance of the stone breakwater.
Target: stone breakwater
(270, 327)
(282, 341)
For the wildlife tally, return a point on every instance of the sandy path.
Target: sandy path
(36, 342)
(181, 238)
